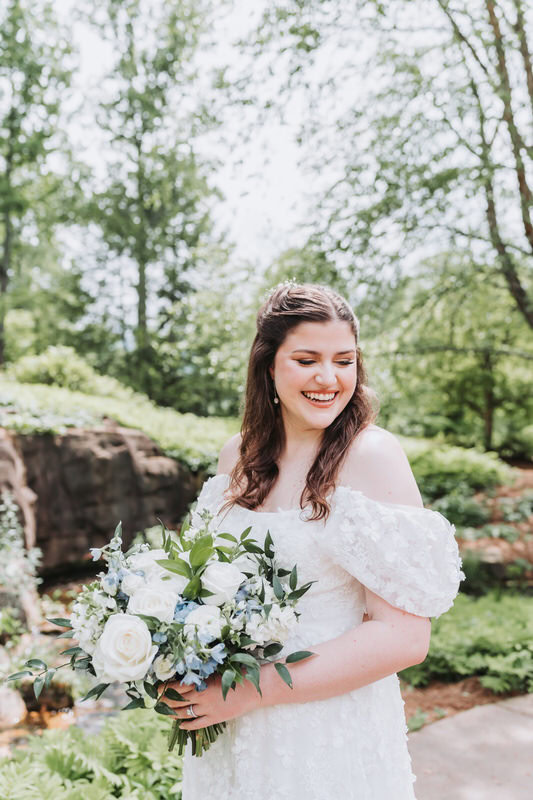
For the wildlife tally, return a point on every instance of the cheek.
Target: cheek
(289, 376)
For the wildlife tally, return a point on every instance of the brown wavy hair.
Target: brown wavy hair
(262, 430)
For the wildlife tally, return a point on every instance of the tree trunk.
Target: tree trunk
(488, 411)
(4, 279)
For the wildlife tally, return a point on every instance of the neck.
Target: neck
(300, 443)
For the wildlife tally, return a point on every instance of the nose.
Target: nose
(326, 375)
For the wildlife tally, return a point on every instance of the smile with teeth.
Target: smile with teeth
(320, 397)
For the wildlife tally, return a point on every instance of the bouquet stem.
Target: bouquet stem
(201, 740)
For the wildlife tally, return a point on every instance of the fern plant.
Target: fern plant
(127, 759)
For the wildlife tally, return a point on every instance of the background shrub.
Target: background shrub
(489, 636)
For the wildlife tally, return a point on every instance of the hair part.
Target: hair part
(262, 430)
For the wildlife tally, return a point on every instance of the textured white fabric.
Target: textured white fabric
(353, 746)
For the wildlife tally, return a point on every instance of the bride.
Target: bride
(339, 498)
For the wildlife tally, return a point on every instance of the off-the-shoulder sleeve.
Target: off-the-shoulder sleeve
(211, 496)
(407, 555)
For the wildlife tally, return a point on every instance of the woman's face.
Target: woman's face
(315, 373)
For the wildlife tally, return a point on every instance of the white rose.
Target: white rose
(131, 582)
(164, 668)
(146, 560)
(246, 563)
(124, 651)
(223, 579)
(154, 601)
(155, 572)
(207, 619)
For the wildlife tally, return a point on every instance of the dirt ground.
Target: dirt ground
(438, 700)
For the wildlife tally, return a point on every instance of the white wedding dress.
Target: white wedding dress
(352, 746)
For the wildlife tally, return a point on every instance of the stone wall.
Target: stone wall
(74, 488)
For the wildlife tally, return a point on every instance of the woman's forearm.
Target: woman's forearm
(358, 657)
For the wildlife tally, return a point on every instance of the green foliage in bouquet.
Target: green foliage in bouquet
(127, 759)
(489, 636)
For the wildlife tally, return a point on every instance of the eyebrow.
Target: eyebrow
(316, 353)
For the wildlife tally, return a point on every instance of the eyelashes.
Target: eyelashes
(308, 362)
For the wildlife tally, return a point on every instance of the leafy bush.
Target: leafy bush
(195, 441)
(490, 636)
(127, 759)
(462, 509)
(17, 565)
(516, 509)
(496, 530)
(442, 469)
(483, 575)
(62, 366)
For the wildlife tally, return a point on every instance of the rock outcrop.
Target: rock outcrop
(74, 488)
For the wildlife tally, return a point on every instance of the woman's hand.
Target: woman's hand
(209, 704)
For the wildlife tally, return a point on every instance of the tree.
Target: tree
(435, 151)
(32, 77)
(154, 210)
(453, 360)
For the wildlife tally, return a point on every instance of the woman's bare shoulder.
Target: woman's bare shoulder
(377, 465)
(229, 455)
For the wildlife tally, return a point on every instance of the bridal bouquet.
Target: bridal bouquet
(205, 603)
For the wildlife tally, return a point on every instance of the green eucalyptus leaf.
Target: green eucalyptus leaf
(299, 655)
(172, 694)
(293, 580)
(227, 536)
(228, 677)
(61, 621)
(38, 684)
(176, 565)
(244, 658)
(284, 673)
(137, 702)
(22, 674)
(269, 545)
(278, 588)
(272, 649)
(36, 663)
(193, 588)
(96, 691)
(150, 690)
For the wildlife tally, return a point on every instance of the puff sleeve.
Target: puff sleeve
(407, 555)
(211, 497)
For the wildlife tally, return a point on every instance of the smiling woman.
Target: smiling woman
(337, 496)
(306, 384)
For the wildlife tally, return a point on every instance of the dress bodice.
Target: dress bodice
(406, 554)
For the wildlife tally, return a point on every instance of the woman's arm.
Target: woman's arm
(390, 641)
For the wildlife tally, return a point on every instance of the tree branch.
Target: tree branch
(520, 30)
(507, 266)
(517, 143)
(462, 38)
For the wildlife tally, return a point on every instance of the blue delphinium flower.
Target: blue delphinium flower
(242, 594)
(204, 637)
(192, 661)
(218, 652)
(159, 638)
(183, 609)
(110, 583)
(191, 677)
(207, 668)
(96, 553)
